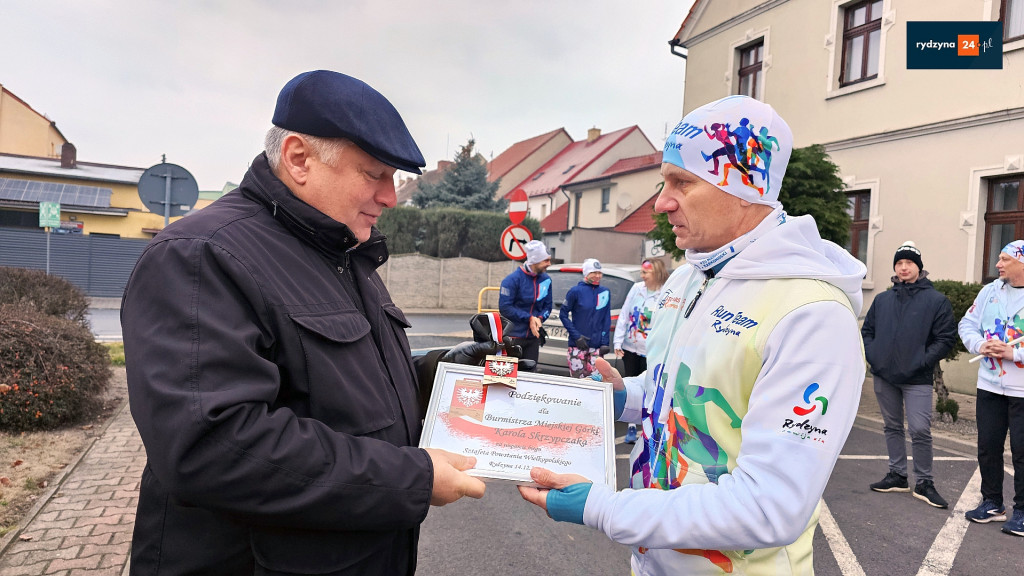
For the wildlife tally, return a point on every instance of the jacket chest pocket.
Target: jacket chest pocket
(347, 386)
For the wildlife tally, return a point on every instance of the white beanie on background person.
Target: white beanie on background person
(536, 252)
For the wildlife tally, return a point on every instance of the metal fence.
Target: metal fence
(99, 265)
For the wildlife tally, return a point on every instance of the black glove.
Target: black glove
(481, 326)
(605, 350)
(471, 353)
(583, 343)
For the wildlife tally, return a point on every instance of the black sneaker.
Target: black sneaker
(892, 482)
(925, 490)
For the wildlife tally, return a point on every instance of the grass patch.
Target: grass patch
(116, 350)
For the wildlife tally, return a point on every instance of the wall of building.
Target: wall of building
(23, 131)
(802, 52)
(636, 187)
(531, 163)
(126, 196)
(925, 189)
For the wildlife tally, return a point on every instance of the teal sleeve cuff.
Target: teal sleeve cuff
(619, 398)
(567, 504)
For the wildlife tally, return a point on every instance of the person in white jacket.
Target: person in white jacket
(991, 327)
(635, 322)
(755, 367)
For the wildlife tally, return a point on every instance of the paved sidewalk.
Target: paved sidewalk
(84, 527)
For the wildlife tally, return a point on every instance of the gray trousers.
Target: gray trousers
(917, 400)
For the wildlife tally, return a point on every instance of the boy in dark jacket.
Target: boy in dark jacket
(906, 332)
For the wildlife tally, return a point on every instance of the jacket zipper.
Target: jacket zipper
(700, 292)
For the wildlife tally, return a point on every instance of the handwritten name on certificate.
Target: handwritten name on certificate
(558, 423)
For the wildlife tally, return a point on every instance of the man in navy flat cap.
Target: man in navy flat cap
(270, 377)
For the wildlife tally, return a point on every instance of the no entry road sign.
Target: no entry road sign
(513, 241)
(518, 204)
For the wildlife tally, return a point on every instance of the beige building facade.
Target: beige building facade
(25, 131)
(933, 156)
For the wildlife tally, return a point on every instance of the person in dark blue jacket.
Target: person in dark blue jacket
(586, 314)
(906, 332)
(525, 299)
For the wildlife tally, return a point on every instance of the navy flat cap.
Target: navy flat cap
(333, 105)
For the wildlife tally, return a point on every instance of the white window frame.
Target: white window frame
(852, 184)
(990, 13)
(834, 45)
(972, 220)
(749, 38)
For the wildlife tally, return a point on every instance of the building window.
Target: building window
(1004, 219)
(862, 35)
(859, 209)
(606, 198)
(751, 59)
(1011, 13)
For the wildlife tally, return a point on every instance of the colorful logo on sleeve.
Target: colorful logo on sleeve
(801, 411)
(805, 430)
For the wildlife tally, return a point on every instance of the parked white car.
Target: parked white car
(618, 278)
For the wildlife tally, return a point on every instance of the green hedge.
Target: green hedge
(448, 232)
(961, 295)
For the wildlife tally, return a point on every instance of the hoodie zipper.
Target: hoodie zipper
(696, 297)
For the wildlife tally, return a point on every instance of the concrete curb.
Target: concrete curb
(57, 483)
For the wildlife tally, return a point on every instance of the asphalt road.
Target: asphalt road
(860, 532)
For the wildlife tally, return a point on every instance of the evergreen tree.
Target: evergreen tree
(464, 185)
(812, 186)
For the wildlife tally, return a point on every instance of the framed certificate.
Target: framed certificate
(562, 424)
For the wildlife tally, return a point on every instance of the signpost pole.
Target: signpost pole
(49, 216)
(167, 199)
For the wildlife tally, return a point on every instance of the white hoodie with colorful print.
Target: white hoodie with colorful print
(997, 314)
(635, 319)
(753, 382)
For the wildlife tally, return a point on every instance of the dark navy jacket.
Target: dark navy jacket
(586, 311)
(271, 381)
(907, 330)
(522, 296)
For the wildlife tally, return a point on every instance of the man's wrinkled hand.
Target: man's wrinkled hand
(535, 324)
(548, 480)
(609, 374)
(450, 479)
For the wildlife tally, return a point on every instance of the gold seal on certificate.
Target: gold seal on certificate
(558, 423)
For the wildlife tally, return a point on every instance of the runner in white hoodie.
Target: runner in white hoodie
(755, 367)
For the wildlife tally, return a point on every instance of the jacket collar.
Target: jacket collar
(330, 237)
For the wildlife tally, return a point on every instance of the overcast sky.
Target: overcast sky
(129, 80)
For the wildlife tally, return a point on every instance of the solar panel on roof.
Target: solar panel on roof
(66, 194)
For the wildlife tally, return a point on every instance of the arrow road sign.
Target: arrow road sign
(513, 241)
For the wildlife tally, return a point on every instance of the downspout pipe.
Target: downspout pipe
(673, 44)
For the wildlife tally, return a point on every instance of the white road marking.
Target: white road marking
(885, 457)
(939, 559)
(847, 561)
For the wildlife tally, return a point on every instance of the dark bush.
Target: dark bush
(52, 371)
(961, 295)
(448, 232)
(51, 295)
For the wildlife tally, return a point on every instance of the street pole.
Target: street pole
(47, 250)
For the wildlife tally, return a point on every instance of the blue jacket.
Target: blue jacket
(587, 312)
(522, 296)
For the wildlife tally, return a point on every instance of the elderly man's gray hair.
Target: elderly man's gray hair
(326, 150)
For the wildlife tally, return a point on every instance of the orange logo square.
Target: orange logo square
(967, 45)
